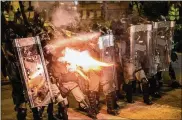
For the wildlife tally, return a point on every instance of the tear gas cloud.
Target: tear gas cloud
(62, 14)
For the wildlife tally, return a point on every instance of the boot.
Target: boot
(114, 94)
(175, 84)
(111, 104)
(153, 88)
(119, 95)
(92, 96)
(50, 112)
(62, 111)
(36, 114)
(145, 86)
(128, 89)
(22, 113)
(158, 78)
(91, 112)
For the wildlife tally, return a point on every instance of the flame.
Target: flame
(36, 73)
(81, 59)
(81, 62)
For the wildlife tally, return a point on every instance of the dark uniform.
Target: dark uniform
(68, 82)
(131, 65)
(14, 77)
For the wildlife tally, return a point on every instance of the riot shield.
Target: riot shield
(33, 71)
(140, 49)
(107, 54)
(162, 43)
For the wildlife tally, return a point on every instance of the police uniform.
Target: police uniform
(109, 74)
(132, 69)
(14, 75)
(67, 81)
(15, 79)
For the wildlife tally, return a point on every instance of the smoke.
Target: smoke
(61, 13)
(39, 6)
(65, 17)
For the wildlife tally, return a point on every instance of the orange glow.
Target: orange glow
(78, 61)
(81, 60)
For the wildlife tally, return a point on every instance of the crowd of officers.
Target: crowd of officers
(87, 94)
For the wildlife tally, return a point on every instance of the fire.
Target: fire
(78, 61)
(81, 62)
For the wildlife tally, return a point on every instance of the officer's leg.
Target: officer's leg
(80, 97)
(116, 93)
(62, 103)
(129, 92)
(37, 115)
(21, 111)
(145, 87)
(120, 93)
(140, 75)
(175, 83)
(128, 71)
(134, 83)
(159, 81)
(62, 110)
(109, 91)
(93, 93)
(19, 100)
(17, 91)
(154, 91)
(50, 111)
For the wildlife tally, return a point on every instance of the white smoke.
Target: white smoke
(65, 17)
(61, 13)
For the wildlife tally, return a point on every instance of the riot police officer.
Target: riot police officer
(67, 81)
(131, 69)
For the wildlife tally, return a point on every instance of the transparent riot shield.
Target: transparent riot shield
(162, 43)
(33, 71)
(107, 54)
(140, 48)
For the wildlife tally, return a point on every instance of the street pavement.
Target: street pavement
(7, 108)
(167, 107)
